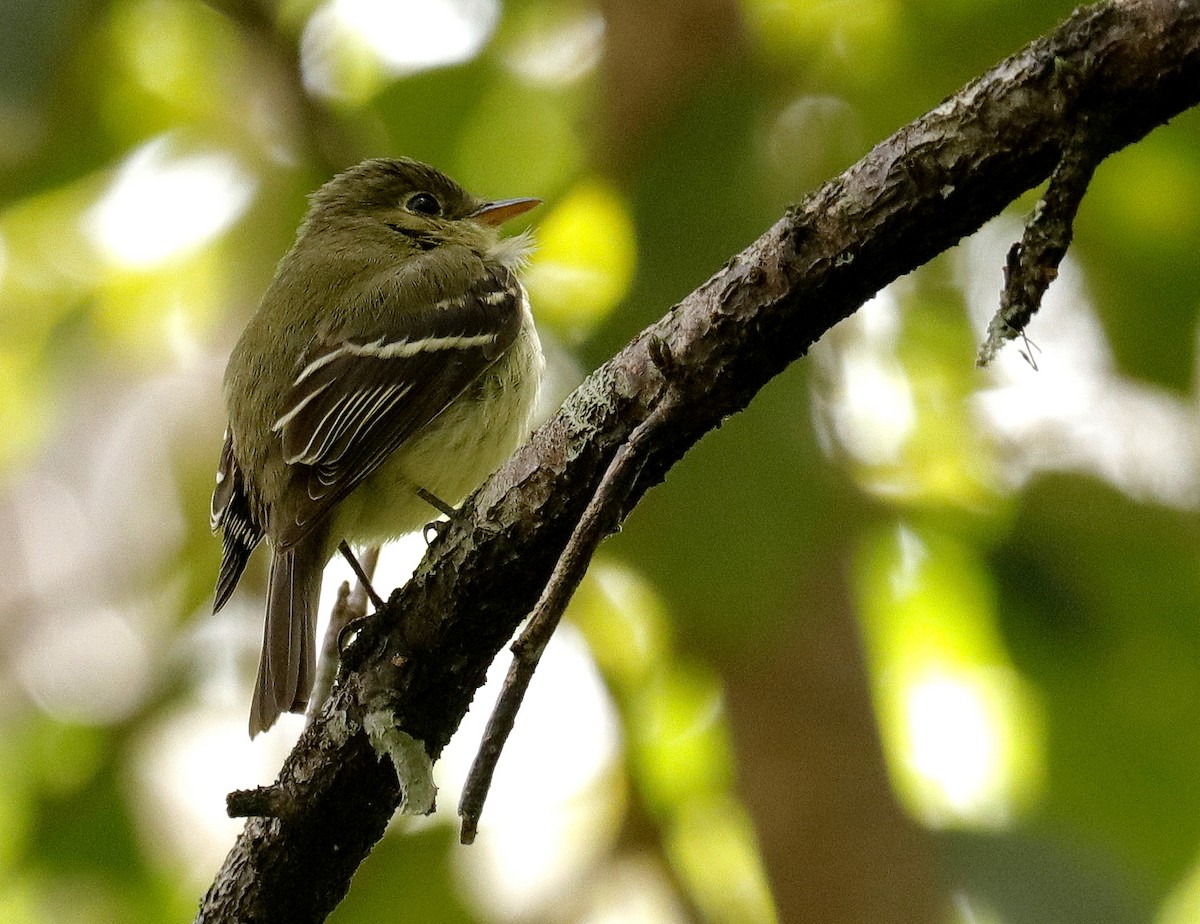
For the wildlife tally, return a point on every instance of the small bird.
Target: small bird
(393, 352)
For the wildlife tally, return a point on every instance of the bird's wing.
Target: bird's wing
(357, 399)
(232, 513)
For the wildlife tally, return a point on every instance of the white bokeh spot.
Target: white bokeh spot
(165, 202)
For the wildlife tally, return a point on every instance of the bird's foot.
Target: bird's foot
(434, 528)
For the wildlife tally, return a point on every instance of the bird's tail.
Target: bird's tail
(288, 663)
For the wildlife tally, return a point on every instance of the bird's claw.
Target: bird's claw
(435, 527)
(349, 632)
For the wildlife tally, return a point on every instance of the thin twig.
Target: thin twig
(601, 517)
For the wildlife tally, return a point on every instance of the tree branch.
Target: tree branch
(1132, 65)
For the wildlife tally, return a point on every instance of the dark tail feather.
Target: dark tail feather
(288, 662)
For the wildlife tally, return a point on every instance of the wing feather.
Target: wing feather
(233, 513)
(357, 399)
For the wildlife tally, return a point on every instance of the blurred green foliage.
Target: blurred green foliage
(996, 574)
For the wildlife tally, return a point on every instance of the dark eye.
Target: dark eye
(425, 204)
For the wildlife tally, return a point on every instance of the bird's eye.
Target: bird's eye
(425, 204)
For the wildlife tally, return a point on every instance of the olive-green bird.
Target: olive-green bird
(394, 351)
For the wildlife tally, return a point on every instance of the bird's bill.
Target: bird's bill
(497, 213)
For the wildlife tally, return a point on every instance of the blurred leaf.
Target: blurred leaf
(585, 260)
(962, 733)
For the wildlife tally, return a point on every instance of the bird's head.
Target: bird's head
(404, 197)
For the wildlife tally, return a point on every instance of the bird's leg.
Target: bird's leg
(376, 600)
(435, 526)
(350, 626)
(350, 629)
(347, 616)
